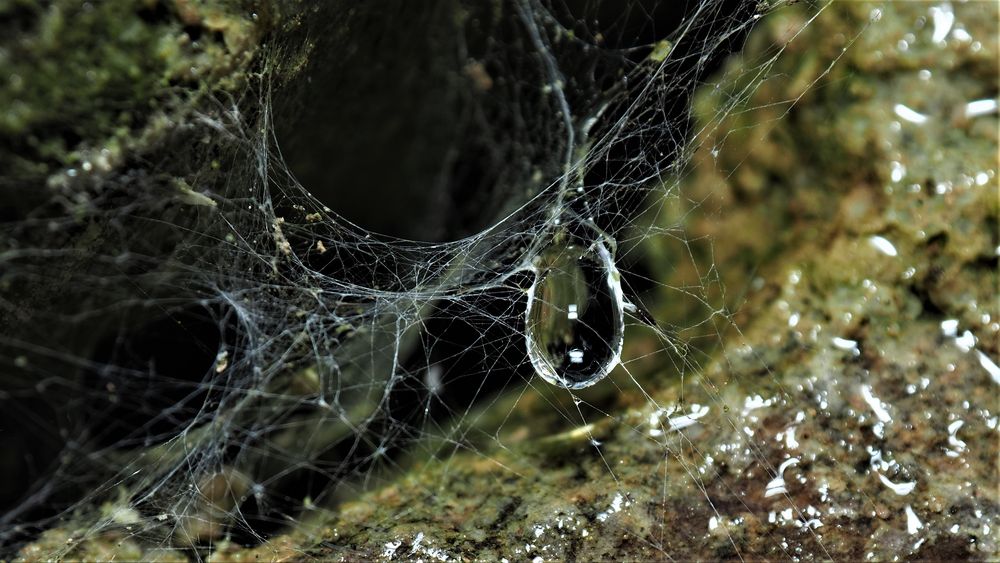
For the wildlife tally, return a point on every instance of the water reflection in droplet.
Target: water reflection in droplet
(575, 315)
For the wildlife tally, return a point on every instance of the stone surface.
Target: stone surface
(859, 254)
(850, 411)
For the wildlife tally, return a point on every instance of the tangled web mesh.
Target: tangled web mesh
(207, 360)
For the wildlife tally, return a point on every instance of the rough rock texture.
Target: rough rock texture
(853, 217)
(89, 82)
(858, 246)
(110, 112)
(113, 123)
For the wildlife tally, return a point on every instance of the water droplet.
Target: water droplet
(574, 320)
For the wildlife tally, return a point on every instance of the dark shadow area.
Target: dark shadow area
(421, 120)
(148, 384)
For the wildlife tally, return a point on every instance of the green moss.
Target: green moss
(793, 184)
(86, 76)
(798, 184)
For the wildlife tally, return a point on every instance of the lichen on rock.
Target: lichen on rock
(844, 419)
(844, 408)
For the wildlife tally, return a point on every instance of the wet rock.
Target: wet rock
(853, 415)
(850, 411)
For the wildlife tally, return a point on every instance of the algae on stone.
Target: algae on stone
(84, 79)
(847, 278)
(107, 153)
(852, 247)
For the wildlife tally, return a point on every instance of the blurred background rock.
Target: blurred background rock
(844, 217)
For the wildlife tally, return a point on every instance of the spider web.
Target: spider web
(199, 359)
